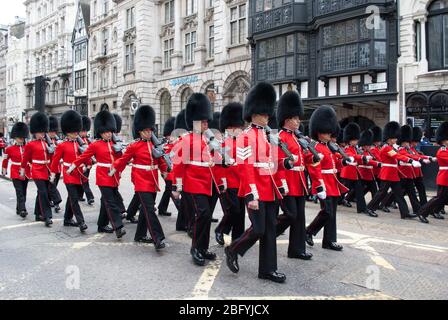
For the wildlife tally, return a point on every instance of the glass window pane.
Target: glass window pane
(280, 68)
(327, 37)
(326, 60)
(380, 53)
(262, 71)
(352, 30)
(280, 46)
(270, 48)
(242, 31)
(267, 4)
(278, 3)
(234, 13)
(270, 72)
(364, 54)
(364, 32)
(445, 40)
(289, 66)
(302, 43)
(339, 33)
(339, 58)
(242, 11)
(290, 43)
(259, 6)
(381, 32)
(302, 65)
(352, 56)
(434, 44)
(262, 50)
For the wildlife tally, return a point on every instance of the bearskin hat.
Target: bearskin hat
(366, 138)
(198, 109)
(260, 100)
(352, 132)
(290, 105)
(323, 120)
(86, 123)
(20, 130)
(214, 124)
(39, 123)
(118, 122)
(442, 132)
(405, 134)
(54, 124)
(104, 122)
(180, 122)
(273, 123)
(168, 127)
(417, 134)
(71, 122)
(338, 134)
(377, 134)
(145, 118)
(231, 116)
(391, 131)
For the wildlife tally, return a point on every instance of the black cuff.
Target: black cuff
(250, 197)
(320, 189)
(288, 165)
(364, 159)
(410, 161)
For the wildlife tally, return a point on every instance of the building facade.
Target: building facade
(48, 52)
(15, 88)
(160, 52)
(3, 53)
(341, 53)
(80, 53)
(423, 65)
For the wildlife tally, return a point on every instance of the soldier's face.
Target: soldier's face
(234, 131)
(146, 134)
(106, 135)
(260, 119)
(39, 135)
(83, 133)
(72, 135)
(354, 142)
(20, 140)
(324, 137)
(292, 123)
(52, 134)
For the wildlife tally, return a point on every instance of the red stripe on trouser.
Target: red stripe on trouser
(148, 224)
(195, 220)
(237, 243)
(108, 213)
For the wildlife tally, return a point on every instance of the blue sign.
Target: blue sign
(184, 80)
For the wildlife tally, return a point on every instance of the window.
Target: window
(37, 66)
(238, 25)
(192, 6)
(185, 96)
(104, 74)
(209, 3)
(37, 39)
(56, 92)
(105, 42)
(350, 45)
(50, 33)
(190, 45)
(130, 18)
(94, 8)
(130, 53)
(105, 7)
(265, 5)
(94, 80)
(169, 11)
(418, 40)
(437, 35)
(168, 49)
(165, 108)
(50, 62)
(115, 75)
(80, 79)
(211, 41)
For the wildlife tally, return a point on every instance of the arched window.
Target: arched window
(438, 35)
(56, 93)
(165, 108)
(47, 94)
(186, 94)
(64, 92)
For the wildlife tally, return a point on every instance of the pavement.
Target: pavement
(383, 258)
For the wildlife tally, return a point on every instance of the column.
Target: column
(157, 62)
(177, 54)
(201, 49)
(423, 67)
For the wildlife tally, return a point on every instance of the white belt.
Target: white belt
(390, 165)
(299, 169)
(41, 161)
(365, 167)
(104, 165)
(264, 165)
(66, 164)
(143, 167)
(443, 168)
(406, 164)
(16, 163)
(331, 171)
(200, 164)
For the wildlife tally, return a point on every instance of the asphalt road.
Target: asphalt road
(383, 258)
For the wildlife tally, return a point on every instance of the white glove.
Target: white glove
(22, 172)
(112, 172)
(354, 164)
(351, 159)
(52, 178)
(322, 195)
(369, 158)
(433, 159)
(321, 156)
(416, 164)
(426, 161)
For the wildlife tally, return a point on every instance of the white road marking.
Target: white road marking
(205, 282)
(15, 226)
(87, 242)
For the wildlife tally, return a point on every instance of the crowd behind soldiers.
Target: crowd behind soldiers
(236, 158)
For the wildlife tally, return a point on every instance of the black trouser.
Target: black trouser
(20, 186)
(185, 216)
(214, 200)
(420, 185)
(201, 205)
(293, 216)
(398, 194)
(234, 214)
(368, 186)
(110, 208)
(86, 188)
(42, 207)
(72, 207)
(54, 194)
(409, 190)
(356, 185)
(120, 202)
(165, 201)
(147, 220)
(263, 228)
(133, 207)
(437, 203)
(326, 219)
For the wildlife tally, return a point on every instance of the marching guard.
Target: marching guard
(144, 176)
(68, 151)
(55, 196)
(258, 185)
(14, 155)
(103, 151)
(84, 135)
(36, 154)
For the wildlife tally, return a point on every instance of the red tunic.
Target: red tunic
(442, 158)
(168, 148)
(14, 154)
(328, 168)
(376, 153)
(367, 171)
(418, 173)
(389, 158)
(36, 154)
(144, 175)
(67, 151)
(351, 172)
(229, 175)
(105, 156)
(258, 169)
